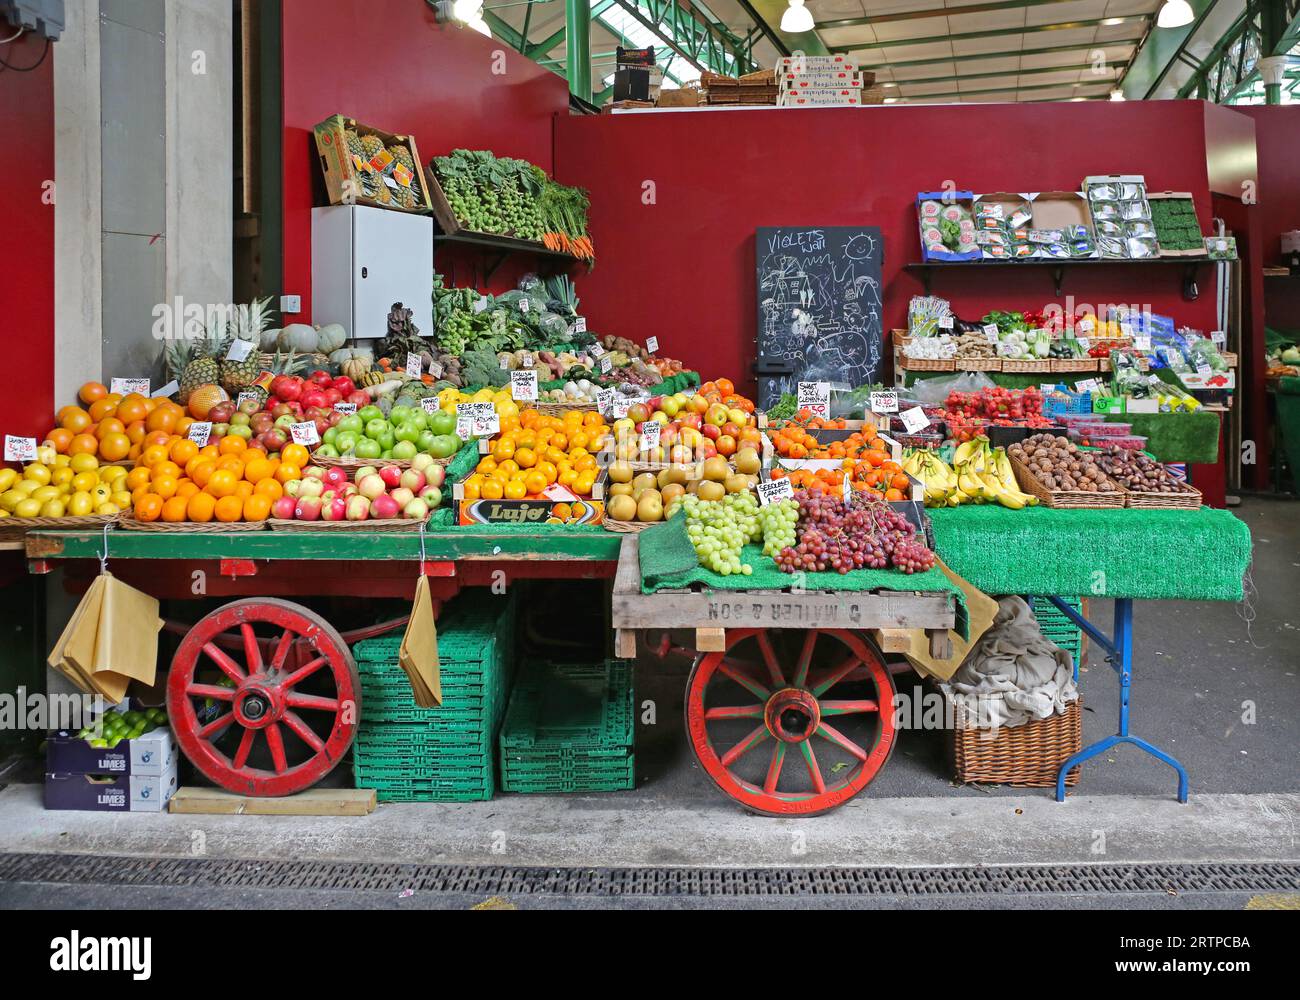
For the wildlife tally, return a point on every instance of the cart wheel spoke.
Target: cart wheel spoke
(217, 726)
(774, 769)
(276, 742)
(769, 657)
(304, 731)
(833, 735)
(311, 702)
(734, 712)
(282, 651)
(849, 707)
(252, 651)
(304, 672)
(757, 736)
(744, 680)
(245, 748)
(228, 666)
(212, 691)
(828, 680)
(814, 772)
(805, 660)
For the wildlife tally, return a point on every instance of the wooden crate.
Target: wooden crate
(340, 172)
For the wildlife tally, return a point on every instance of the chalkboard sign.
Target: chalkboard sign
(819, 307)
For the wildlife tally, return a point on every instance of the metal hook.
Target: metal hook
(103, 555)
(422, 558)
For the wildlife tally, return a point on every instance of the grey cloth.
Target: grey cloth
(1013, 674)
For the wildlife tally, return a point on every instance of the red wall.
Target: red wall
(388, 64)
(1277, 135)
(27, 238)
(683, 267)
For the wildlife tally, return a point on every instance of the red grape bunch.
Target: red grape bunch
(839, 536)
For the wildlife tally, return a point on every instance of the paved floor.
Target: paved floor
(1215, 684)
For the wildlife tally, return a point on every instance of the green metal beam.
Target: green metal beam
(921, 15)
(1049, 50)
(577, 50)
(504, 31)
(1216, 55)
(1031, 29)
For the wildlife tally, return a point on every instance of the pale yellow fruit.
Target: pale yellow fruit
(102, 493)
(54, 508)
(621, 508)
(710, 490)
(28, 508)
(112, 473)
(37, 473)
(84, 463)
(10, 499)
(122, 498)
(650, 507)
(26, 487)
(60, 476)
(46, 454)
(84, 482)
(80, 505)
(620, 472)
(63, 461)
(716, 469)
(7, 478)
(45, 493)
(747, 462)
(108, 510)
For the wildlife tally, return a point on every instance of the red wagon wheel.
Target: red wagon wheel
(759, 718)
(273, 717)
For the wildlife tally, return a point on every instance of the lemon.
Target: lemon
(84, 482)
(62, 461)
(84, 463)
(122, 498)
(28, 508)
(7, 479)
(54, 508)
(102, 493)
(46, 454)
(10, 499)
(80, 505)
(37, 473)
(108, 509)
(45, 493)
(112, 473)
(26, 487)
(60, 476)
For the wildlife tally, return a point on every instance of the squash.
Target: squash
(355, 369)
(298, 337)
(330, 338)
(345, 354)
(269, 341)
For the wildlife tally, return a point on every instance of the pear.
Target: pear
(620, 472)
(747, 462)
(650, 508)
(621, 508)
(711, 490)
(716, 469)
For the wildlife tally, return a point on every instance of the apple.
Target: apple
(321, 378)
(712, 431)
(406, 451)
(358, 508)
(283, 508)
(365, 470)
(313, 472)
(344, 386)
(416, 510)
(402, 495)
(434, 474)
(371, 487)
(332, 396)
(286, 421)
(716, 415)
(384, 508)
(292, 488)
(336, 476)
(274, 439)
(261, 422)
(335, 510)
(311, 488)
(707, 450)
(250, 406)
(413, 480)
(432, 496)
(308, 509)
(312, 397)
(239, 419)
(222, 412)
(241, 431)
(738, 416)
(333, 417)
(358, 398)
(693, 420)
(288, 390)
(699, 404)
(391, 475)
(638, 413)
(670, 406)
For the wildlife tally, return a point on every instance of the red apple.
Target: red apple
(358, 508)
(321, 378)
(344, 385)
(638, 413)
(332, 396)
(391, 476)
(335, 510)
(711, 431)
(283, 508)
(315, 397)
(308, 509)
(358, 398)
(384, 508)
(336, 476)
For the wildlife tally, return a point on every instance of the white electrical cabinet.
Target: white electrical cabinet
(363, 261)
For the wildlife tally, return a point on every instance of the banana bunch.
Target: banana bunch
(978, 474)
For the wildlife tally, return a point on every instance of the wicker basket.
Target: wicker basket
(14, 528)
(928, 364)
(1188, 498)
(628, 527)
(1074, 364)
(979, 364)
(385, 526)
(129, 523)
(1028, 756)
(1103, 364)
(560, 409)
(1026, 367)
(1065, 499)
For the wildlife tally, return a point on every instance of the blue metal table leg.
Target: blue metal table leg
(1120, 656)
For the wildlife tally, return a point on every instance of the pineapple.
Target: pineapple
(403, 336)
(403, 156)
(202, 367)
(250, 321)
(372, 145)
(354, 144)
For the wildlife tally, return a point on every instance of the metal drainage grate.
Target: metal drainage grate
(506, 881)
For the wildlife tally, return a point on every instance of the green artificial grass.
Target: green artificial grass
(1288, 423)
(1177, 437)
(1189, 555)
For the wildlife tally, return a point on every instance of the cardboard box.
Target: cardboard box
(151, 754)
(930, 206)
(827, 80)
(815, 64)
(343, 174)
(527, 513)
(110, 792)
(824, 98)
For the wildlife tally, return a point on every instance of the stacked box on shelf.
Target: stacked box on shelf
(1059, 628)
(444, 754)
(570, 729)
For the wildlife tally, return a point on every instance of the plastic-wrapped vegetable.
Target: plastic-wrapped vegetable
(531, 284)
(1127, 376)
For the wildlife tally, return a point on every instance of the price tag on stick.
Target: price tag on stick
(652, 345)
(239, 350)
(605, 402)
(247, 397)
(348, 409)
(430, 404)
(991, 332)
(126, 386)
(305, 434)
(20, 449)
(914, 420)
(815, 397)
(884, 402)
(605, 365)
(199, 433)
(774, 491)
(650, 434)
(414, 366)
(523, 386)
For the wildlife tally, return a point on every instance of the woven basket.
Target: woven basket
(928, 364)
(1187, 499)
(1074, 364)
(560, 409)
(628, 527)
(1037, 365)
(1028, 756)
(385, 526)
(979, 364)
(1103, 364)
(129, 523)
(1064, 499)
(14, 528)
(352, 464)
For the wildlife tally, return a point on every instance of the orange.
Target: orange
(137, 478)
(163, 418)
(229, 509)
(183, 426)
(186, 489)
(135, 431)
(200, 508)
(114, 447)
(492, 490)
(208, 451)
(165, 487)
(173, 510)
(294, 454)
(75, 419)
(149, 507)
(509, 467)
(549, 472)
(473, 488)
(182, 451)
(270, 489)
(165, 468)
(231, 463)
(487, 464)
(584, 483)
(561, 512)
(152, 455)
(60, 437)
(258, 469)
(503, 449)
(231, 444)
(84, 444)
(243, 489)
(535, 482)
(92, 392)
(287, 471)
(203, 471)
(257, 508)
(221, 484)
(132, 408)
(593, 419)
(158, 439)
(102, 408)
(515, 490)
(107, 426)
(526, 458)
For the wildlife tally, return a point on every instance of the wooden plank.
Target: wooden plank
(940, 644)
(892, 640)
(776, 609)
(627, 579)
(711, 640)
(625, 644)
(313, 802)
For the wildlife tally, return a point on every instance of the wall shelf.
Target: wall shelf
(498, 248)
(1058, 268)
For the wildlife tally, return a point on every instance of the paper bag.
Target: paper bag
(111, 639)
(981, 610)
(419, 653)
(77, 643)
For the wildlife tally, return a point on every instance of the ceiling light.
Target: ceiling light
(467, 10)
(1117, 95)
(797, 18)
(1175, 14)
(479, 25)
(1112, 21)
